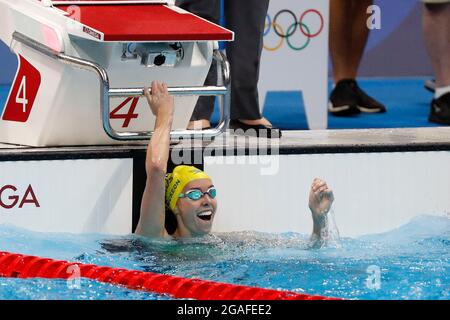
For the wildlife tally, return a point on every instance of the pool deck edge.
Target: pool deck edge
(292, 142)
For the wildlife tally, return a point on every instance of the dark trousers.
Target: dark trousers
(246, 18)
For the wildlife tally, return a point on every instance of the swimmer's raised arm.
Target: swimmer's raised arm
(152, 216)
(320, 199)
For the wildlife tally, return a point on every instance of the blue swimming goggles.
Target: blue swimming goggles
(196, 194)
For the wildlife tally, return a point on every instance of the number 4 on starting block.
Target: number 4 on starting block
(125, 116)
(23, 92)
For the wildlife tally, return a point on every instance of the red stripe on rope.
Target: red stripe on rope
(22, 266)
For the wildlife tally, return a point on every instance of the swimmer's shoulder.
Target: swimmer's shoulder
(133, 242)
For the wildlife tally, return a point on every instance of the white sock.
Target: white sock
(439, 92)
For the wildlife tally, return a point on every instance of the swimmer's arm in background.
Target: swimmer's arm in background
(152, 216)
(320, 200)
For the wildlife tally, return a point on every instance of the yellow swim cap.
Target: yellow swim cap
(178, 179)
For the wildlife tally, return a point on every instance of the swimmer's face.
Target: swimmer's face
(197, 215)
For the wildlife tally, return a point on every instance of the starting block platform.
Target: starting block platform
(121, 21)
(83, 66)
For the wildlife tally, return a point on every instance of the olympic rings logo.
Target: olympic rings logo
(298, 26)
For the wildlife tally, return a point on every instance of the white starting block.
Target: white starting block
(54, 100)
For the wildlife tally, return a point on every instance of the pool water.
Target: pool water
(411, 262)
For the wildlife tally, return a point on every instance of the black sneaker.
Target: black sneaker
(347, 98)
(343, 100)
(440, 110)
(366, 103)
(430, 85)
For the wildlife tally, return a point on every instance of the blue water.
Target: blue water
(413, 262)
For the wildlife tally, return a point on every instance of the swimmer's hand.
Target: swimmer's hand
(320, 199)
(160, 101)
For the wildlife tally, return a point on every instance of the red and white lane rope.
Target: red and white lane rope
(23, 266)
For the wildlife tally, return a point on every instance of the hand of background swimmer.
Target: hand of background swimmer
(160, 101)
(320, 198)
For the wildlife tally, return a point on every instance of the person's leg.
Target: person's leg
(205, 105)
(436, 27)
(348, 38)
(247, 20)
(209, 10)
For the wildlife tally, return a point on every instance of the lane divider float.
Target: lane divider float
(14, 265)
